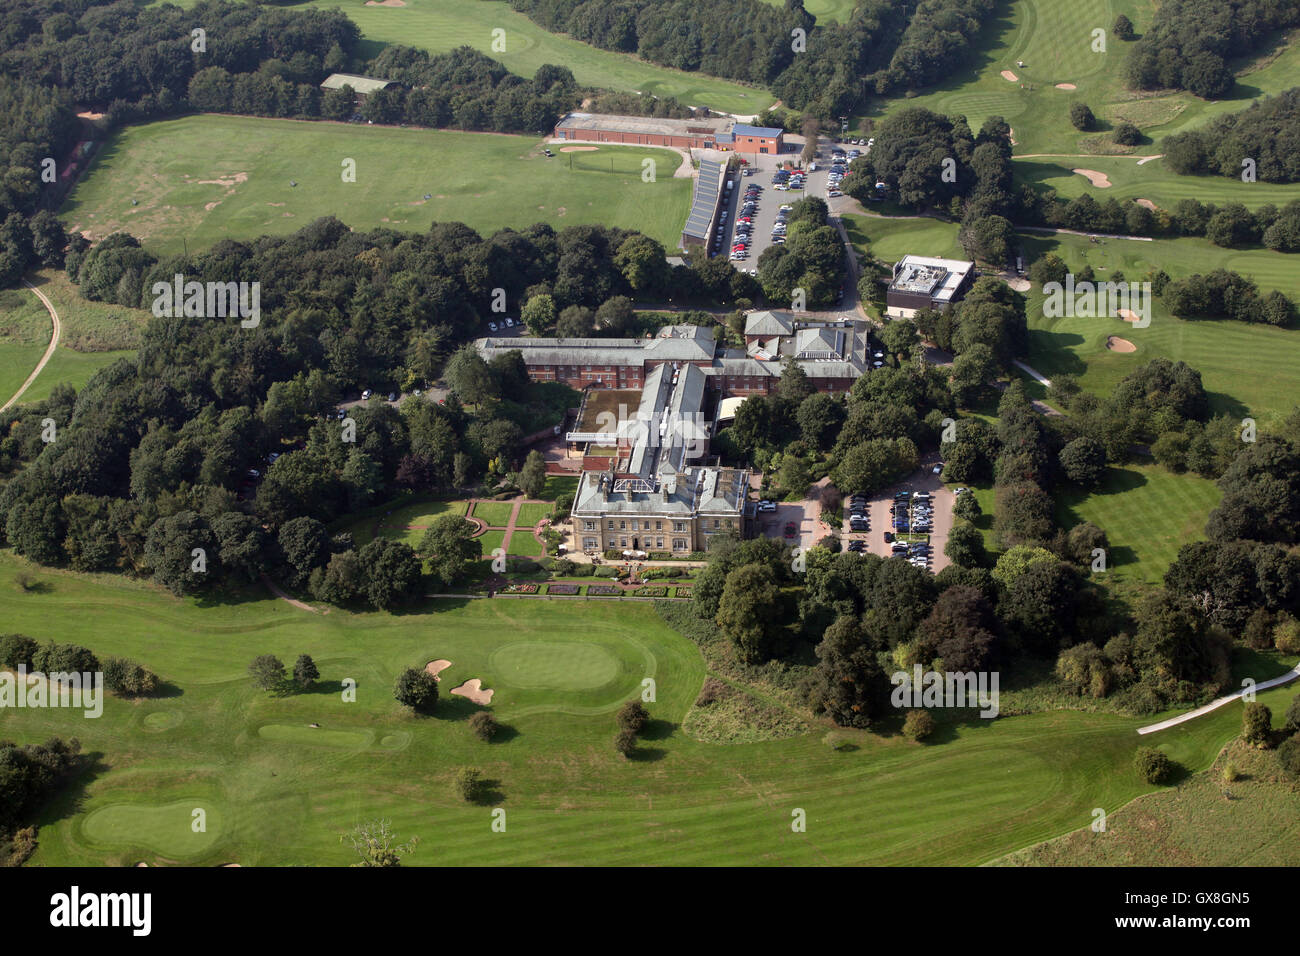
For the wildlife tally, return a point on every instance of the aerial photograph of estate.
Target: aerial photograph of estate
(649, 433)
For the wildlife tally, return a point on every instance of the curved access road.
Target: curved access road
(1286, 678)
(49, 352)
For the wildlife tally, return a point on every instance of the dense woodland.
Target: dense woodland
(1190, 42)
(150, 457)
(1267, 133)
(887, 46)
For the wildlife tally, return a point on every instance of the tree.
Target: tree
(182, 552)
(450, 548)
(267, 671)
(304, 671)
(1123, 28)
(416, 689)
(848, 684)
(469, 784)
(392, 572)
(469, 376)
(376, 844)
(1256, 724)
(1153, 766)
(1081, 117)
(483, 725)
(1084, 461)
(1288, 755)
(749, 612)
(633, 716)
(539, 313)
(1126, 134)
(918, 725)
(965, 545)
(625, 743)
(967, 507)
(532, 477)
(576, 322)
(616, 316)
(1084, 670)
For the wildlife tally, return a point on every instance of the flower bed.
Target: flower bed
(563, 588)
(684, 592)
(519, 589)
(603, 589)
(651, 592)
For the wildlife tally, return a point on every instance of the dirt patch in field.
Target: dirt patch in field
(1148, 204)
(1011, 132)
(473, 689)
(1020, 285)
(1116, 344)
(385, 3)
(1100, 180)
(275, 204)
(1066, 86)
(560, 210)
(226, 181)
(88, 115)
(209, 206)
(433, 667)
(578, 149)
(1010, 77)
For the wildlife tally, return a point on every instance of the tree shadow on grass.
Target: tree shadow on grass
(504, 734)
(164, 690)
(1258, 665)
(454, 707)
(647, 755)
(657, 730)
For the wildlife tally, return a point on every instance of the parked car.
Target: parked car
(492, 326)
(365, 396)
(766, 505)
(791, 529)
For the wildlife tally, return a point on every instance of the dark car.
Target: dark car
(889, 536)
(791, 529)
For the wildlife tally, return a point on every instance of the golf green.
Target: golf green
(555, 666)
(167, 828)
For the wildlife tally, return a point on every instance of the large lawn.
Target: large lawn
(280, 792)
(200, 179)
(1147, 512)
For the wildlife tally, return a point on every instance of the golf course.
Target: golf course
(280, 778)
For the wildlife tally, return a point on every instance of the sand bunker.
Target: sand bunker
(1116, 344)
(89, 115)
(1011, 132)
(1148, 204)
(1020, 285)
(434, 667)
(473, 689)
(578, 149)
(1099, 180)
(1128, 315)
(209, 206)
(1010, 77)
(385, 3)
(1066, 86)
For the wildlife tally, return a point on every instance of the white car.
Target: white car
(492, 326)
(510, 323)
(767, 506)
(365, 396)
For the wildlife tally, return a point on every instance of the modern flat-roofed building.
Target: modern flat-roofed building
(361, 85)
(921, 282)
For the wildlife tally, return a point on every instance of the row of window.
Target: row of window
(593, 525)
(678, 544)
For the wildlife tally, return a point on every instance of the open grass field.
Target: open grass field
(279, 792)
(530, 513)
(1147, 512)
(200, 179)
(1195, 824)
(24, 334)
(889, 239)
(824, 10)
